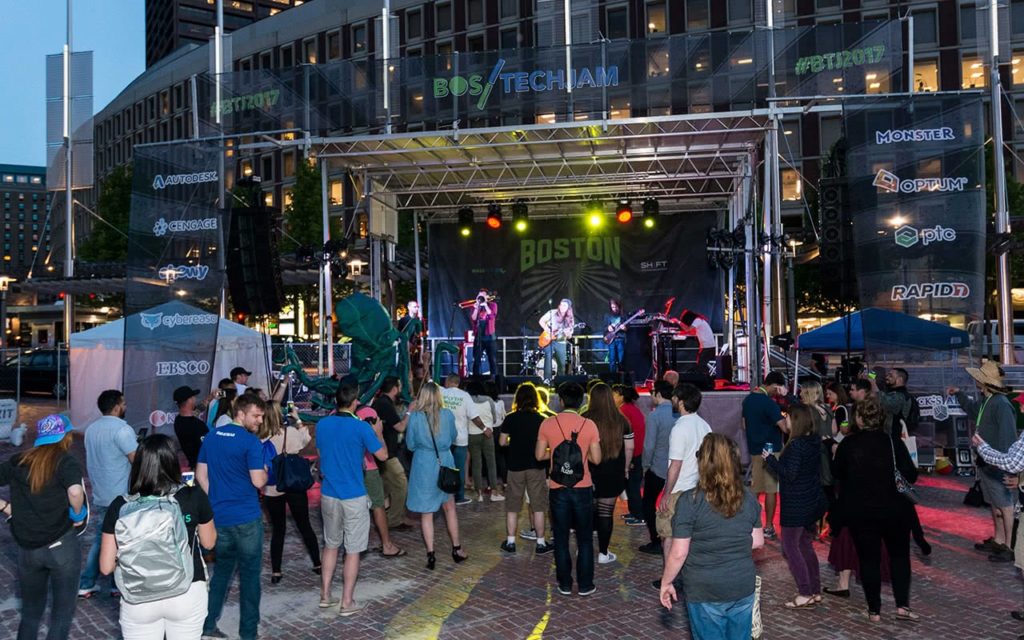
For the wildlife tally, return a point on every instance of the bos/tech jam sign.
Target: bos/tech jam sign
(538, 80)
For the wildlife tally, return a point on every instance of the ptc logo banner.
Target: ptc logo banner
(907, 236)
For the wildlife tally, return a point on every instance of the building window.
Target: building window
(1017, 68)
(287, 56)
(741, 11)
(617, 19)
(444, 17)
(358, 39)
(926, 75)
(474, 11)
(266, 60)
(288, 164)
(791, 185)
(509, 38)
(309, 53)
(1017, 17)
(657, 20)
(413, 25)
(968, 22)
(38, 180)
(876, 81)
(696, 15)
(333, 45)
(827, 4)
(475, 43)
(508, 8)
(925, 28)
(831, 129)
(973, 73)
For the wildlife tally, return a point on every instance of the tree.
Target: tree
(107, 240)
(303, 217)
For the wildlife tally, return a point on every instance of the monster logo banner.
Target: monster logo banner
(560, 258)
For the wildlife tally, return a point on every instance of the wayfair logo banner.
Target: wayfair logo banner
(508, 82)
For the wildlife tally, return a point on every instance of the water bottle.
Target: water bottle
(769, 448)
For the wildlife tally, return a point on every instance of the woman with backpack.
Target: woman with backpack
(286, 440)
(610, 475)
(429, 436)
(47, 512)
(142, 547)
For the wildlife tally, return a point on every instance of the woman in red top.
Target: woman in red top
(625, 399)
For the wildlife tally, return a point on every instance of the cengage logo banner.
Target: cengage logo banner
(908, 236)
(182, 368)
(162, 226)
(152, 321)
(174, 179)
(891, 183)
(933, 290)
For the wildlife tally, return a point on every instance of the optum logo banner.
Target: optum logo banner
(536, 81)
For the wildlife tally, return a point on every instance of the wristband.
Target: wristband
(79, 515)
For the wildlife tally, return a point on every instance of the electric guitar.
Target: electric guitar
(546, 338)
(610, 336)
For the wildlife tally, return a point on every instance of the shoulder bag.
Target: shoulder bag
(293, 472)
(447, 477)
(903, 487)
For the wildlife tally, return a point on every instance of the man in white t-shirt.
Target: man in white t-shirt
(687, 435)
(461, 404)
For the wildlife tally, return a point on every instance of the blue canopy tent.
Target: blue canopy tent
(880, 328)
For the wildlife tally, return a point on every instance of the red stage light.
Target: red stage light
(624, 213)
(494, 215)
(493, 222)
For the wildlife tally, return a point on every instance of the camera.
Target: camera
(481, 299)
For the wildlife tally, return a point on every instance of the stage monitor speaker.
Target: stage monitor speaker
(580, 380)
(723, 367)
(699, 380)
(511, 383)
(619, 377)
(637, 356)
(253, 262)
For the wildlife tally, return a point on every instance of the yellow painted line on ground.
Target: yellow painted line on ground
(538, 630)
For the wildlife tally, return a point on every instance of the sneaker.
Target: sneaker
(988, 545)
(1002, 554)
(606, 558)
(587, 592)
(352, 609)
(769, 533)
(565, 591)
(88, 593)
(497, 497)
(463, 501)
(508, 547)
(479, 496)
(543, 548)
(636, 522)
(214, 634)
(528, 534)
(653, 548)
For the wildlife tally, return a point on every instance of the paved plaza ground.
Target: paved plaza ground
(958, 592)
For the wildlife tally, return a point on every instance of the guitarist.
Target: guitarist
(559, 324)
(617, 347)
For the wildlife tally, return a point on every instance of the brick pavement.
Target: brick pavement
(957, 591)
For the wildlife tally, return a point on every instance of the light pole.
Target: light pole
(5, 282)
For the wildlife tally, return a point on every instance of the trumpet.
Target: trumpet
(472, 302)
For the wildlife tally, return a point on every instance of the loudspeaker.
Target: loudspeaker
(699, 380)
(836, 260)
(580, 380)
(511, 383)
(253, 262)
(723, 367)
(619, 377)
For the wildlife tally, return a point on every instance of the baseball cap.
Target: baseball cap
(366, 411)
(239, 371)
(181, 394)
(52, 429)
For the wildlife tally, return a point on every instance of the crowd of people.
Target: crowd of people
(165, 509)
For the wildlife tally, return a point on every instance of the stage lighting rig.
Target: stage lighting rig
(594, 214)
(465, 221)
(494, 215)
(624, 213)
(651, 207)
(520, 215)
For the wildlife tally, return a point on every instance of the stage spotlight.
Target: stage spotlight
(651, 207)
(648, 223)
(494, 215)
(624, 213)
(520, 215)
(594, 214)
(465, 221)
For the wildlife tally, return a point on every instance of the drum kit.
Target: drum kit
(533, 360)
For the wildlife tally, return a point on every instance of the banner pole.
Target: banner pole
(69, 201)
(328, 302)
(1002, 214)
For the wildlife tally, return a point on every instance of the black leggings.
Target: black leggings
(868, 537)
(299, 505)
(604, 509)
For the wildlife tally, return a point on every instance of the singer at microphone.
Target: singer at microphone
(483, 317)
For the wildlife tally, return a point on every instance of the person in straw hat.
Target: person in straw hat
(995, 423)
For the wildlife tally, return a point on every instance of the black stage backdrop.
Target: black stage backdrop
(559, 258)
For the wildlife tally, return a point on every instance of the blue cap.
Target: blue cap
(52, 429)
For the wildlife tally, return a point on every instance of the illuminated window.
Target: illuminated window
(876, 81)
(359, 39)
(791, 185)
(287, 197)
(1017, 67)
(336, 192)
(926, 75)
(309, 51)
(973, 74)
(288, 160)
(656, 18)
(268, 198)
(657, 62)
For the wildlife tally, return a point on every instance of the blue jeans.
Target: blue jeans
(573, 509)
(460, 454)
(91, 570)
(241, 547)
(718, 620)
(52, 570)
(557, 350)
(616, 350)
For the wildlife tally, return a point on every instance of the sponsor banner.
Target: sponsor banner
(559, 259)
(161, 227)
(939, 407)
(915, 170)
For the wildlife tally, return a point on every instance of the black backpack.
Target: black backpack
(567, 460)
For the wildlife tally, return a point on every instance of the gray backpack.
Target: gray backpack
(154, 558)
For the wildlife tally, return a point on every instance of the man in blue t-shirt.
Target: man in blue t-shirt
(764, 423)
(230, 470)
(343, 441)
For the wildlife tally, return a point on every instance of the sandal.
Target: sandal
(327, 604)
(874, 617)
(839, 593)
(398, 554)
(906, 615)
(795, 604)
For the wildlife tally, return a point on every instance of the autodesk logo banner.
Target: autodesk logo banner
(539, 80)
(161, 181)
(171, 272)
(161, 227)
(907, 236)
(888, 181)
(933, 290)
(153, 320)
(914, 135)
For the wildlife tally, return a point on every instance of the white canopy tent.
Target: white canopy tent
(97, 362)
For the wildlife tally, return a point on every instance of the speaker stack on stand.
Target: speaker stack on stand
(253, 261)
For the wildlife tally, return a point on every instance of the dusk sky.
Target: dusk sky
(113, 29)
